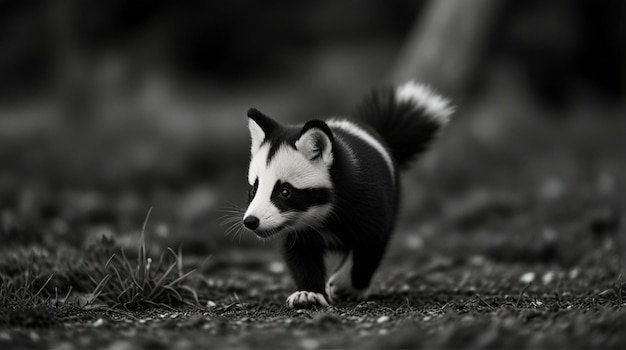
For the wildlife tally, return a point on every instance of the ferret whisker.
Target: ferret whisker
(234, 226)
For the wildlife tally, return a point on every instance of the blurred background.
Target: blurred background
(108, 108)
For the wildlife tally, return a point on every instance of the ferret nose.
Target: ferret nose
(251, 222)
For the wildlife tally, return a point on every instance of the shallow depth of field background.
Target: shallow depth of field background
(109, 108)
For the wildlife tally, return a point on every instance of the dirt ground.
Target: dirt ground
(431, 302)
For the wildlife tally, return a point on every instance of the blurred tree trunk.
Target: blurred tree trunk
(446, 44)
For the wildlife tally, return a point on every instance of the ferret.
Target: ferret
(333, 186)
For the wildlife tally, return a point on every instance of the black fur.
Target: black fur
(317, 124)
(306, 262)
(408, 131)
(266, 123)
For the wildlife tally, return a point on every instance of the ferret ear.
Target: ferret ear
(260, 126)
(316, 142)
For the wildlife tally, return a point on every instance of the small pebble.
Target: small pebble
(34, 336)
(548, 277)
(308, 343)
(477, 260)
(528, 277)
(414, 242)
(277, 267)
(382, 319)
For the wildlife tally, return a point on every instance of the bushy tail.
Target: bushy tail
(408, 117)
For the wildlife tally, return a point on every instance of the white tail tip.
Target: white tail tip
(423, 97)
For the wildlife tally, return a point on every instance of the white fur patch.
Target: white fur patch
(287, 165)
(339, 285)
(423, 97)
(355, 130)
(257, 135)
(305, 300)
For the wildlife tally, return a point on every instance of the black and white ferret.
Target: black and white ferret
(333, 186)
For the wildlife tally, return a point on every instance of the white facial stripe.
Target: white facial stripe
(291, 166)
(436, 107)
(261, 206)
(287, 165)
(355, 130)
(257, 163)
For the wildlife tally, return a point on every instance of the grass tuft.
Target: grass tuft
(24, 300)
(23, 292)
(122, 284)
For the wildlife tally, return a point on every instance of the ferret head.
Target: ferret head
(289, 175)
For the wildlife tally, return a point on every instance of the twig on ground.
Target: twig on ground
(485, 302)
(521, 295)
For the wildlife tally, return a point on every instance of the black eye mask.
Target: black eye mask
(286, 197)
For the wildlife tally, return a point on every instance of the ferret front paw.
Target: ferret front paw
(306, 300)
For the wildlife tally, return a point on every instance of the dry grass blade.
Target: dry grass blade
(181, 278)
(160, 281)
(141, 255)
(43, 287)
(109, 261)
(179, 260)
(99, 288)
(174, 292)
(193, 293)
(130, 272)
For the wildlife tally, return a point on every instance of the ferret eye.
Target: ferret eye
(252, 192)
(285, 193)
